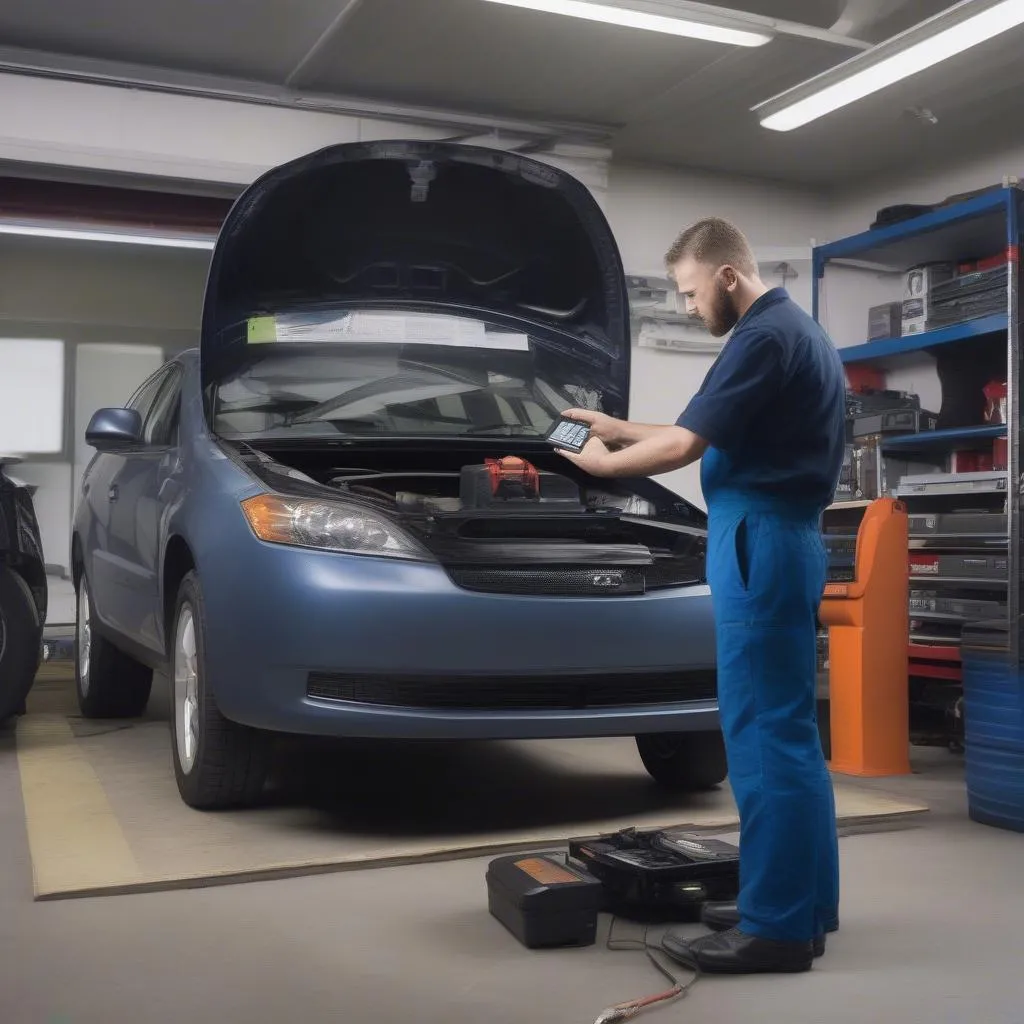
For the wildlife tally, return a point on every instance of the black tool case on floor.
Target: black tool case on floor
(661, 875)
(543, 901)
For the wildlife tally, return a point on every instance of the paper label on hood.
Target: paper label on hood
(382, 326)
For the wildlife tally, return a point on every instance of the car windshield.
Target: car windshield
(401, 374)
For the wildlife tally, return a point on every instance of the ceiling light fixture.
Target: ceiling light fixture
(99, 235)
(673, 19)
(961, 27)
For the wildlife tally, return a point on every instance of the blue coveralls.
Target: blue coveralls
(772, 410)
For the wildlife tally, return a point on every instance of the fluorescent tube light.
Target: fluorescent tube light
(646, 16)
(963, 26)
(99, 235)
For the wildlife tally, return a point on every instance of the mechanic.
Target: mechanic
(768, 425)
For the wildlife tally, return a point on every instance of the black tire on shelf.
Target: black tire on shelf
(684, 761)
(20, 642)
(108, 682)
(218, 763)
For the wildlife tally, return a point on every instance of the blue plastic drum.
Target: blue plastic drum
(993, 729)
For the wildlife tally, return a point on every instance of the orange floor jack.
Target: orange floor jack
(868, 622)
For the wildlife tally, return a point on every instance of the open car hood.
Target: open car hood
(426, 226)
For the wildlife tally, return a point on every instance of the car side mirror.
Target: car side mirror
(114, 430)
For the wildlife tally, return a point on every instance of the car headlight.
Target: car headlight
(327, 526)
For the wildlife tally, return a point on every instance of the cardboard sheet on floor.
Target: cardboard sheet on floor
(104, 817)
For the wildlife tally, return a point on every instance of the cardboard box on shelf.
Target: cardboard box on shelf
(919, 281)
(884, 321)
(915, 317)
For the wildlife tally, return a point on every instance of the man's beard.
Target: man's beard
(723, 316)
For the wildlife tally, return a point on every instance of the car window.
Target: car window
(160, 427)
(374, 372)
(145, 395)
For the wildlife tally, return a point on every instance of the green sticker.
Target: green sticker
(262, 329)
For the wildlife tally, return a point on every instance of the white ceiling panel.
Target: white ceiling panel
(504, 59)
(977, 98)
(261, 39)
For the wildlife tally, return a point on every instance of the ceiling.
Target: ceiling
(657, 98)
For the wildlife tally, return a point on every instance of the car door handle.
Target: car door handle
(113, 492)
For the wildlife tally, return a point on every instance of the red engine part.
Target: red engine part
(515, 475)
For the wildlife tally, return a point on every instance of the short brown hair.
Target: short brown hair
(716, 242)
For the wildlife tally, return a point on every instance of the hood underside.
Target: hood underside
(424, 226)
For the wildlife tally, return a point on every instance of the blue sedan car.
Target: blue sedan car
(342, 517)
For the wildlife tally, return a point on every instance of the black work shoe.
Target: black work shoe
(720, 917)
(733, 952)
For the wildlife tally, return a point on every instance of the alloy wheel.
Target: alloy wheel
(186, 690)
(84, 636)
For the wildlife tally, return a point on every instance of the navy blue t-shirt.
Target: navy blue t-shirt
(772, 407)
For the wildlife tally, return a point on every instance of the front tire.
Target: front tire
(217, 763)
(684, 762)
(109, 684)
(20, 643)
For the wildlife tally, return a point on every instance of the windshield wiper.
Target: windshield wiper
(505, 430)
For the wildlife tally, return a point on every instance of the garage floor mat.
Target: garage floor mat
(104, 816)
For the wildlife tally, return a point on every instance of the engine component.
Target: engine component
(422, 504)
(512, 477)
(513, 483)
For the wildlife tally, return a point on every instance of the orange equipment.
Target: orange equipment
(512, 476)
(868, 622)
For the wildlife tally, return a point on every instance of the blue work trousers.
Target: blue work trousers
(766, 568)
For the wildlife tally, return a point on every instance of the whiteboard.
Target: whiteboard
(31, 396)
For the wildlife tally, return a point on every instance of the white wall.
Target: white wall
(56, 281)
(854, 210)
(648, 207)
(91, 295)
(156, 132)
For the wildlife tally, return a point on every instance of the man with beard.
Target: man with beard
(768, 424)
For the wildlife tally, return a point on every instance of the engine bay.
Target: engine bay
(483, 513)
(503, 486)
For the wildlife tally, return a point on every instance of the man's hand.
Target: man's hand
(602, 426)
(669, 449)
(615, 433)
(594, 459)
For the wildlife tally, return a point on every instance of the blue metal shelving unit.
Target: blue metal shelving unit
(944, 439)
(991, 205)
(874, 351)
(992, 653)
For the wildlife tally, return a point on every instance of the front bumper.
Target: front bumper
(277, 618)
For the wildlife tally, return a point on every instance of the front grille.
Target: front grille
(596, 581)
(514, 693)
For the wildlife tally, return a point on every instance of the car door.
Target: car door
(138, 494)
(102, 554)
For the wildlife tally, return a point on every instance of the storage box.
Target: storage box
(915, 317)
(543, 901)
(894, 421)
(660, 874)
(924, 564)
(918, 282)
(971, 460)
(987, 525)
(884, 321)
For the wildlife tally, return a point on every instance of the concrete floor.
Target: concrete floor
(931, 933)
